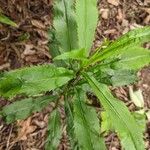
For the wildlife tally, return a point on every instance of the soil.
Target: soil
(28, 45)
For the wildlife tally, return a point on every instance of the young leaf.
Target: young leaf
(22, 109)
(33, 80)
(6, 20)
(86, 15)
(134, 38)
(54, 131)
(75, 54)
(123, 122)
(65, 25)
(86, 124)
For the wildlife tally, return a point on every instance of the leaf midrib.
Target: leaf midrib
(116, 112)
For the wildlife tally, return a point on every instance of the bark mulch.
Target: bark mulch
(28, 45)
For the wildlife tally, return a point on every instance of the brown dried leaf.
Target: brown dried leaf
(38, 24)
(113, 2)
(26, 128)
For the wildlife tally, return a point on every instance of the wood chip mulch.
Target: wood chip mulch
(28, 45)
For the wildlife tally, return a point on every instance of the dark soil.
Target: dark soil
(28, 45)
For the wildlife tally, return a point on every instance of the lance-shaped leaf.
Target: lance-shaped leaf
(78, 54)
(70, 123)
(22, 109)
(134, 38)
(65, 32)
(87, 16)
(122, 70)
(86, 124)
(133, 59)
(123, 122)
(33, 80)
(54, 131)
(6, 20)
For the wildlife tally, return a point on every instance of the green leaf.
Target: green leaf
(22, 109)
(141, 120)
(54, 131)
(134, 38)
(122, 70)
(106, 124)
(65, 25)
(87, 16)
(115, 77)
(123, 122)
(70, 123)
(75, 54)
(33, 80)
(86, 124)
(6, 20)
(134, 59)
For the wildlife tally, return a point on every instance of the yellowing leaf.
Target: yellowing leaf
(136, 97)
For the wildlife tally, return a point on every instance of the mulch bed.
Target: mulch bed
(28, 45)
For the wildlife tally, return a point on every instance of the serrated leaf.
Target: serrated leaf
(6, 20)
(78, 54)
(33, 80)
(124, 124)
(86, 124)
(65, 25)
(134, 38)
(133, 58)
(70, 123)
(115, 77)
(87, 16)
(54, 131)
(22, 109)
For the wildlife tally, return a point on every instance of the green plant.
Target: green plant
(74, 74)
(4, 19)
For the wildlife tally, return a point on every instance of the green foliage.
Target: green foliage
(54, 131)
(131, 41)
(75, 54)
(6, 20)
(129, 133)
(114, 63)
(33, 80)
(86, 15)
(86, 124)
(24, 108)
(65, 25)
